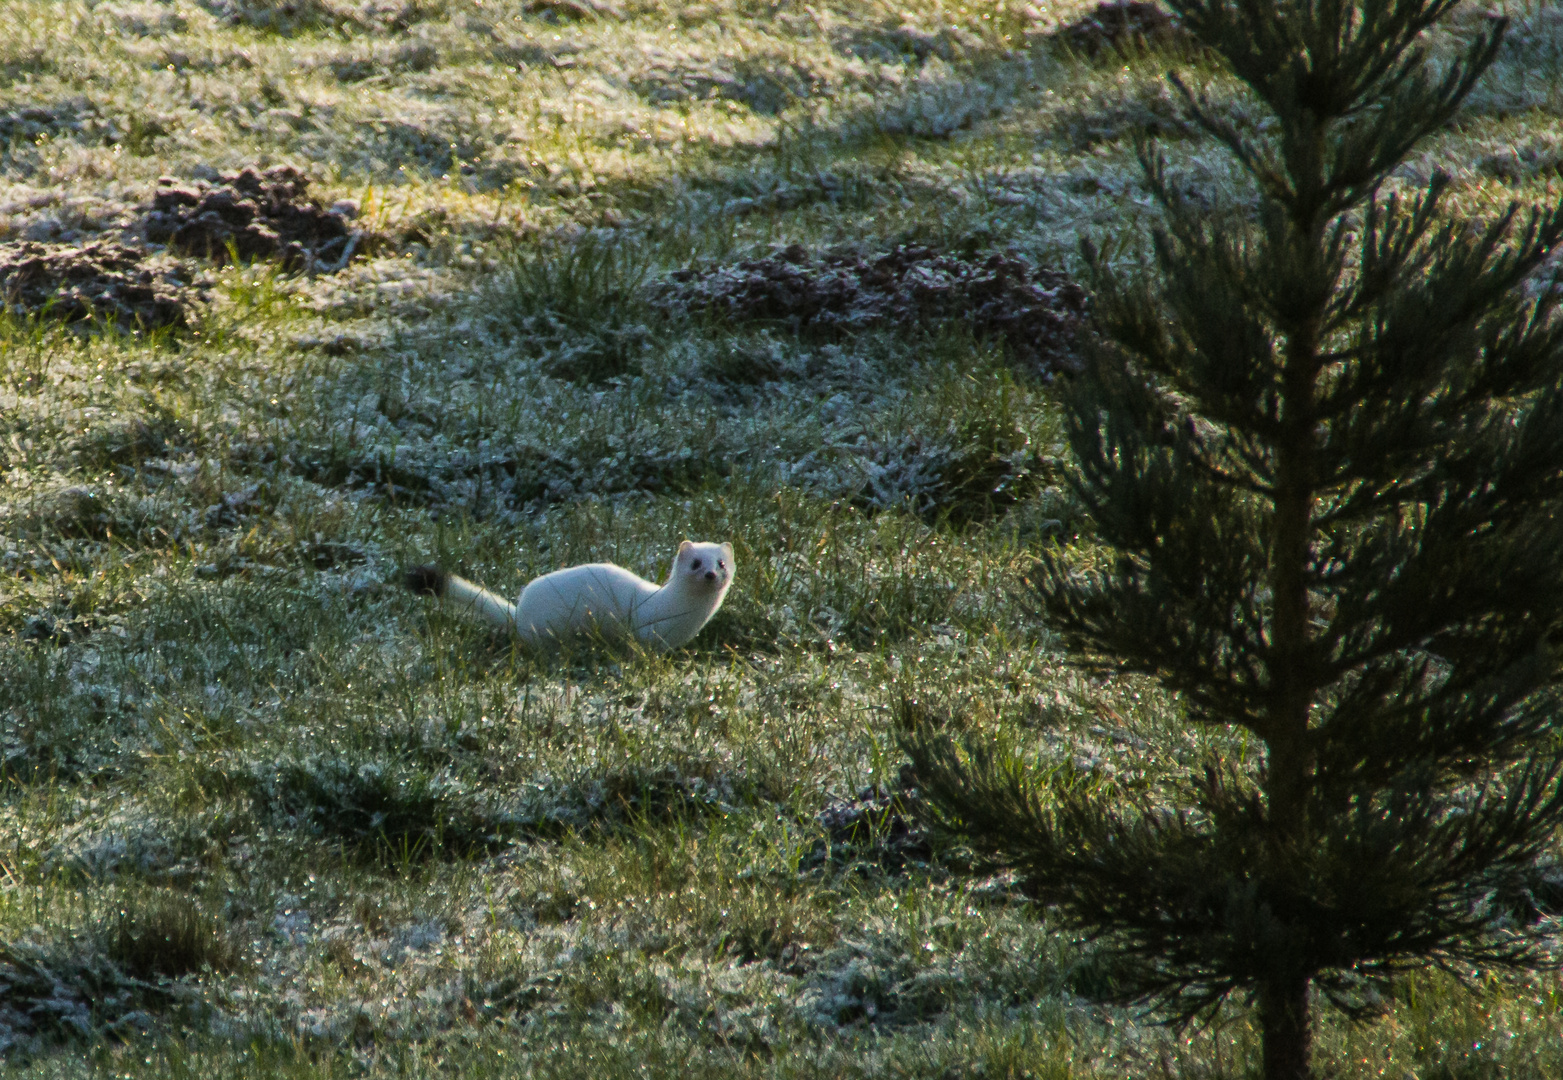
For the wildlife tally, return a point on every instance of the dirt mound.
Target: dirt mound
(252, 215)
(1037, 311)
(249, 213)
(1114, 25)
(103, 281)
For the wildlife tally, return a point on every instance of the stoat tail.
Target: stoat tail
(462, 594)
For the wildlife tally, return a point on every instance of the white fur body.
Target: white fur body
(609, 601)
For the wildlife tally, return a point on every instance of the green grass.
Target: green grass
(264, 814)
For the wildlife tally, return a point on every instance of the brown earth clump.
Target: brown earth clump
(253, 215)
(1036, 311)
(103, 281)
(1114, 25)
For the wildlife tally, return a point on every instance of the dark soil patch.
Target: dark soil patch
(766, 87)
(524, 477)
(578, 302)
(129, 440)
(253, 215)
(747, 364)
(401, 808)
(166, 935)
(48, 997)
(290, 17)
(880, 825)
(20, 126)
(85, 512)
(978, 472)
(382, 808)
(1517, 164)
(1036, 311)
(1535, 895)
(1117, 25)
(1146, 113)
(103, 282)
(332, 467)
(637, 794)
(891, 44)
(52, 628)
(599, 356)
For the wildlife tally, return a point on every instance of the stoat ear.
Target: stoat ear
(685, 546)
(727, 549)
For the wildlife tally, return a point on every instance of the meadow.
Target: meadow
(572, 280)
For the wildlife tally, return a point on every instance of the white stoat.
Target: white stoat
(600, 598)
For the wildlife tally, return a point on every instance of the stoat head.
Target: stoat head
(707, 567)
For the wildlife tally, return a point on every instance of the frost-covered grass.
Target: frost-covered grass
(264, 813)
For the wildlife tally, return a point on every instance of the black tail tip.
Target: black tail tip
(426, 580)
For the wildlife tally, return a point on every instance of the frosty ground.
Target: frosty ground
(528, 284)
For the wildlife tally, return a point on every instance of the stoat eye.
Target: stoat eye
(695, 565)
(721, 565)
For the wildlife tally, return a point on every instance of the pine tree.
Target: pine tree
(1325, 443)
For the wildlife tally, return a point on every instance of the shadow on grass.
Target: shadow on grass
(389, 811)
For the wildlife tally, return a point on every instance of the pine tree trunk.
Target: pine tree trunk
(1286, 1028)
(1289, 767)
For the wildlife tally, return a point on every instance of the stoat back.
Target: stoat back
(596, 598)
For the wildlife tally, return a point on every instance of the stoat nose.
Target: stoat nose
(710, 575)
